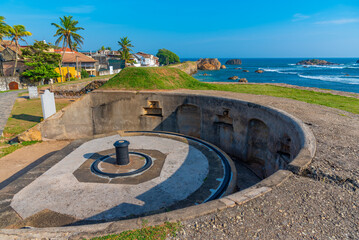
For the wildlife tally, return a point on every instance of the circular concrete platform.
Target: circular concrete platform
(184, 172)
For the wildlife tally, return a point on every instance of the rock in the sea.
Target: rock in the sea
(205, 74)
(315, 62)
(234, 62)
(238, 68)
(208, 64)
(223, 67)
(233, 78)
(243, 80)
(245, 71)
(259, 71)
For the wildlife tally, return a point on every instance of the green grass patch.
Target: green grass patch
(172, 78)
(160, 232)
(10, 91)
(6, 149)
(25, 114)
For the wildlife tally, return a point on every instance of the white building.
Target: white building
(145, 60)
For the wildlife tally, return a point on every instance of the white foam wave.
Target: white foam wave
(282, 71)
(347, 80)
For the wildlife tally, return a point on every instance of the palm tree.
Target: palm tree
(3, 28)
(3, 33)
(17, 33)
(75, 47)
(125, 50)
(66, 33)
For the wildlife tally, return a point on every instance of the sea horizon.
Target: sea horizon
(341, 77)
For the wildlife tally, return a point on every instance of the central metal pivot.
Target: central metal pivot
(122, 156)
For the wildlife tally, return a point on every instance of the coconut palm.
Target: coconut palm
(3, 28)
(17, 33)
(66, 33)
(125, 50)
(75, 47)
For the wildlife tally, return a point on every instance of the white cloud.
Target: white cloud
(79, 9)
(339, 21)
(299, 17)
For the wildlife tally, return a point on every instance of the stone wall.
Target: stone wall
(263, 138)
(5, 81)
(107, 72)
(188, 67)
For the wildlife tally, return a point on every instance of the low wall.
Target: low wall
(264, 138)
(5, 81)
(188, 67)
(107, 72)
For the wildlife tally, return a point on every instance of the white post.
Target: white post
(48, 104)
(111, 69)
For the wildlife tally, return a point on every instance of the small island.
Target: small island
(315, 62)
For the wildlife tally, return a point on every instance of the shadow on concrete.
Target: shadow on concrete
(25, 170)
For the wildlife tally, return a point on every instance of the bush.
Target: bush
(167, 57)
(84, 74)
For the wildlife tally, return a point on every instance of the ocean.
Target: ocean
(342, 77)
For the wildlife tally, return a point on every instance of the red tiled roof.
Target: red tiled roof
(70, 57)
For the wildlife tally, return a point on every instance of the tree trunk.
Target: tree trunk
(17, 48)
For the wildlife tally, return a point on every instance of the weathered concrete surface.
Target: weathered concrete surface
(7, 101)
(320, 205)
(263, 138)
(58, 190)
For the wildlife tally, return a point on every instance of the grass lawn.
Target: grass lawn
(171, 78)
(25, 114)
(160, 232)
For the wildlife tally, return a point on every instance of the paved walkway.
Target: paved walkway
(7, 100)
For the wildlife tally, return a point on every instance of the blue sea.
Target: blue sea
(342, 77)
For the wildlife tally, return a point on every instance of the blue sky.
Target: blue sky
(257, 28)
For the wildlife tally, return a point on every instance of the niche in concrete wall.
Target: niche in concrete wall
(257, 147)
(224, 131)
(102, 118)
(188, 118)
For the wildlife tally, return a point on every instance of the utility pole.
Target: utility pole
(77, 67)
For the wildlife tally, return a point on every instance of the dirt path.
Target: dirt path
(323, 204)
(20, 159)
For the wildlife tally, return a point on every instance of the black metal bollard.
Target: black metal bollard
(122, 156)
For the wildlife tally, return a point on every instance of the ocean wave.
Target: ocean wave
(347, 80)
(282, 71)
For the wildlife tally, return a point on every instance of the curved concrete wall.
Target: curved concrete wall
(265, 139)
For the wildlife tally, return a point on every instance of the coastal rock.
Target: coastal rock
(234, 62)
(243, 80)
(315, 62)
(223, 67)
(245, 71)
(205, 74)
(208, 64)
(233, 78)
(259, 71)
(238, 68)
